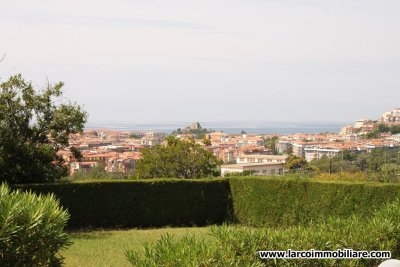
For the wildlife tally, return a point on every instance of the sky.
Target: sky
(210, 60)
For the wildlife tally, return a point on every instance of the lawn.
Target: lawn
(107, 247)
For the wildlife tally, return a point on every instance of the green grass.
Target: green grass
(103, 248)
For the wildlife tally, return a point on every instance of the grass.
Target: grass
(103, 248)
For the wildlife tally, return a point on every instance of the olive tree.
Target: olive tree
(34, 126)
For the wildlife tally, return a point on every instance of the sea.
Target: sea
(231, 127)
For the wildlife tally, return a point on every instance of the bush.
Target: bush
(341, 177)
(238, 246)
(282, 202)
(32, 229)
(247, 200)
(142, 203)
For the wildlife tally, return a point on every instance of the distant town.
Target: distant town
(264, 154)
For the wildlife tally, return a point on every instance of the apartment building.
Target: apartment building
(257, 168)
(391, 117)
(299, 146)
(318, 152)
(266, 159)
(396, 137)
(283, 146)
(151, 139)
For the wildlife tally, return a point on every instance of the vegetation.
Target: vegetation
(179, 159)
(380, 165)
(271, 143)
(104, 248)
(195, 131)
(34, 126)
(141, 203)
(32, 229)
(97, 172)
(240, 174)
(276, 201)
(238, 246)
(382, 128)
(295, 164)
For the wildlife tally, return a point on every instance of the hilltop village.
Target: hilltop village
(265, 154)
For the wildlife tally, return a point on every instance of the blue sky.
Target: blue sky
(165, 61)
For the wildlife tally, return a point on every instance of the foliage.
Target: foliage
(105, 247)
(32, 229)
(382, 128)
(206, 141)
(271, 143)
(34, 126)
(286, 202)
(95, 173)
(295, 163)
(135, 136)
(239, 174)
(281, 201)
(142, 203)
(197, 133)
(238, 246)
(381, 164)
(177, 158)
(341, 177)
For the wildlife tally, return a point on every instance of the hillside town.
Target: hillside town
(264, 154)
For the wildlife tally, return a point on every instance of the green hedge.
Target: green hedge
(142, 203)
(238, 246)
(247, 200)
(280, 202)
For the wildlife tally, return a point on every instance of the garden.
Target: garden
(204, 222)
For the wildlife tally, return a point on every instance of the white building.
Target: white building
(244, 159)
(317, 152)
(396, 137)
(391, 117)
(257, 168)
(151, 139)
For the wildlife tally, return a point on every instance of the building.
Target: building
(318, 152)
(391, 117)
(284, 146)
(267, 159)
(299, 146)
(396, 137)
(257, 168)
(151, 139)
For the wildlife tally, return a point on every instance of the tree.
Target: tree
(294, 163)
(271, 143)
(206, 141)
(34, 126)
(177, 159)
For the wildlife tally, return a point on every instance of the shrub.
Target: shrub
(32, 229)
(283, 202)
(238, 246)
(142, 203)
(253, 201)
(341, 177)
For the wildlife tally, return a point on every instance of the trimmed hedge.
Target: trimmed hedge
(280, 202)
(248, 200)
(238, 246)
(144, 203)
